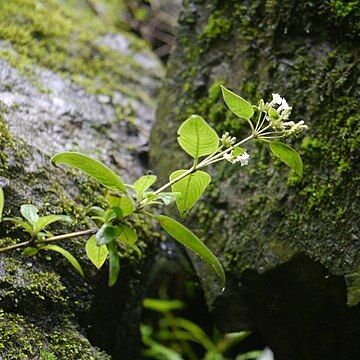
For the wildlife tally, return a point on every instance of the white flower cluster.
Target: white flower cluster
(243, 158)
(277, 112)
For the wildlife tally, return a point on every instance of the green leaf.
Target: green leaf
(287, 155)
(238, 151)
(167, 197)
(239, 106)
(114, 265)
(142, 184)
(127, 235)
(187, 238)
(122, 202)
(44, 221)
(25, 225)
(190, 188)
(30, 213)
(2, 200)
(197, 137)
(30, 251)
(252, 355)
(96, 254)
(72, 260)
(106, 234)
(91, 167)
(163, 305)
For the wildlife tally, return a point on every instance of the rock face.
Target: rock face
(69, 80)
(289, 246)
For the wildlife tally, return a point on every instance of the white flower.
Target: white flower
(243, 159)
(283, 105)
(277, 99)
(228, 156)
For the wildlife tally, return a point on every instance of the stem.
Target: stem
(257, 127)
(16, 246)
(50, 239)
(218, 156)
(68, 236)
(173, 181)
(214, 157)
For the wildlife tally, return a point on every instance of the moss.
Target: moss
(23, 280)
(23, 338)
(280, 48)
(52, 35)
(218, 25)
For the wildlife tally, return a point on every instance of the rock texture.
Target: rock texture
(289, 246)
(70, 79)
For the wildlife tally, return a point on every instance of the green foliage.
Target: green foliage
(114, 264)
(128, 208)
(72, 260)
(96, 254)
(187, 238)
(287, 155)
(190, 188)
(142, 184)
(91, 167)
(176, 338)
(197, 138)
(34, 223)
(239, 106)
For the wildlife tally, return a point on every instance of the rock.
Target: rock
(69, 82)
(286, 243)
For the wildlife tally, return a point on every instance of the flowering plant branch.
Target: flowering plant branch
(130, 205)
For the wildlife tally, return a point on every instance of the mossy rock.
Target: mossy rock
(257, 219)
(70, 79)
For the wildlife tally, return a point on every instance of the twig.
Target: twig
(50, 239)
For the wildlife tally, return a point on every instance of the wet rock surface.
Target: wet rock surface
(47, 107)
(261, 218)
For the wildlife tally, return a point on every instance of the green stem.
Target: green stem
(50, 239)
(219, 155)
(68, 236)
(196, 166)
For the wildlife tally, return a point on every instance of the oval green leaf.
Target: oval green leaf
(121, 202)
(190, 188)
(69, 257)
(44, 221)
(96, 254)
(197, 137)
(2, 200)
(106, 234)
(142, 184)
(238, 106)
(30, 251)
(288, 155)
(114, 265)
(91, 167)
(127, 235)
(30, 213)
(187, 238)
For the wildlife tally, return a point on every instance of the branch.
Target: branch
(50, 239)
